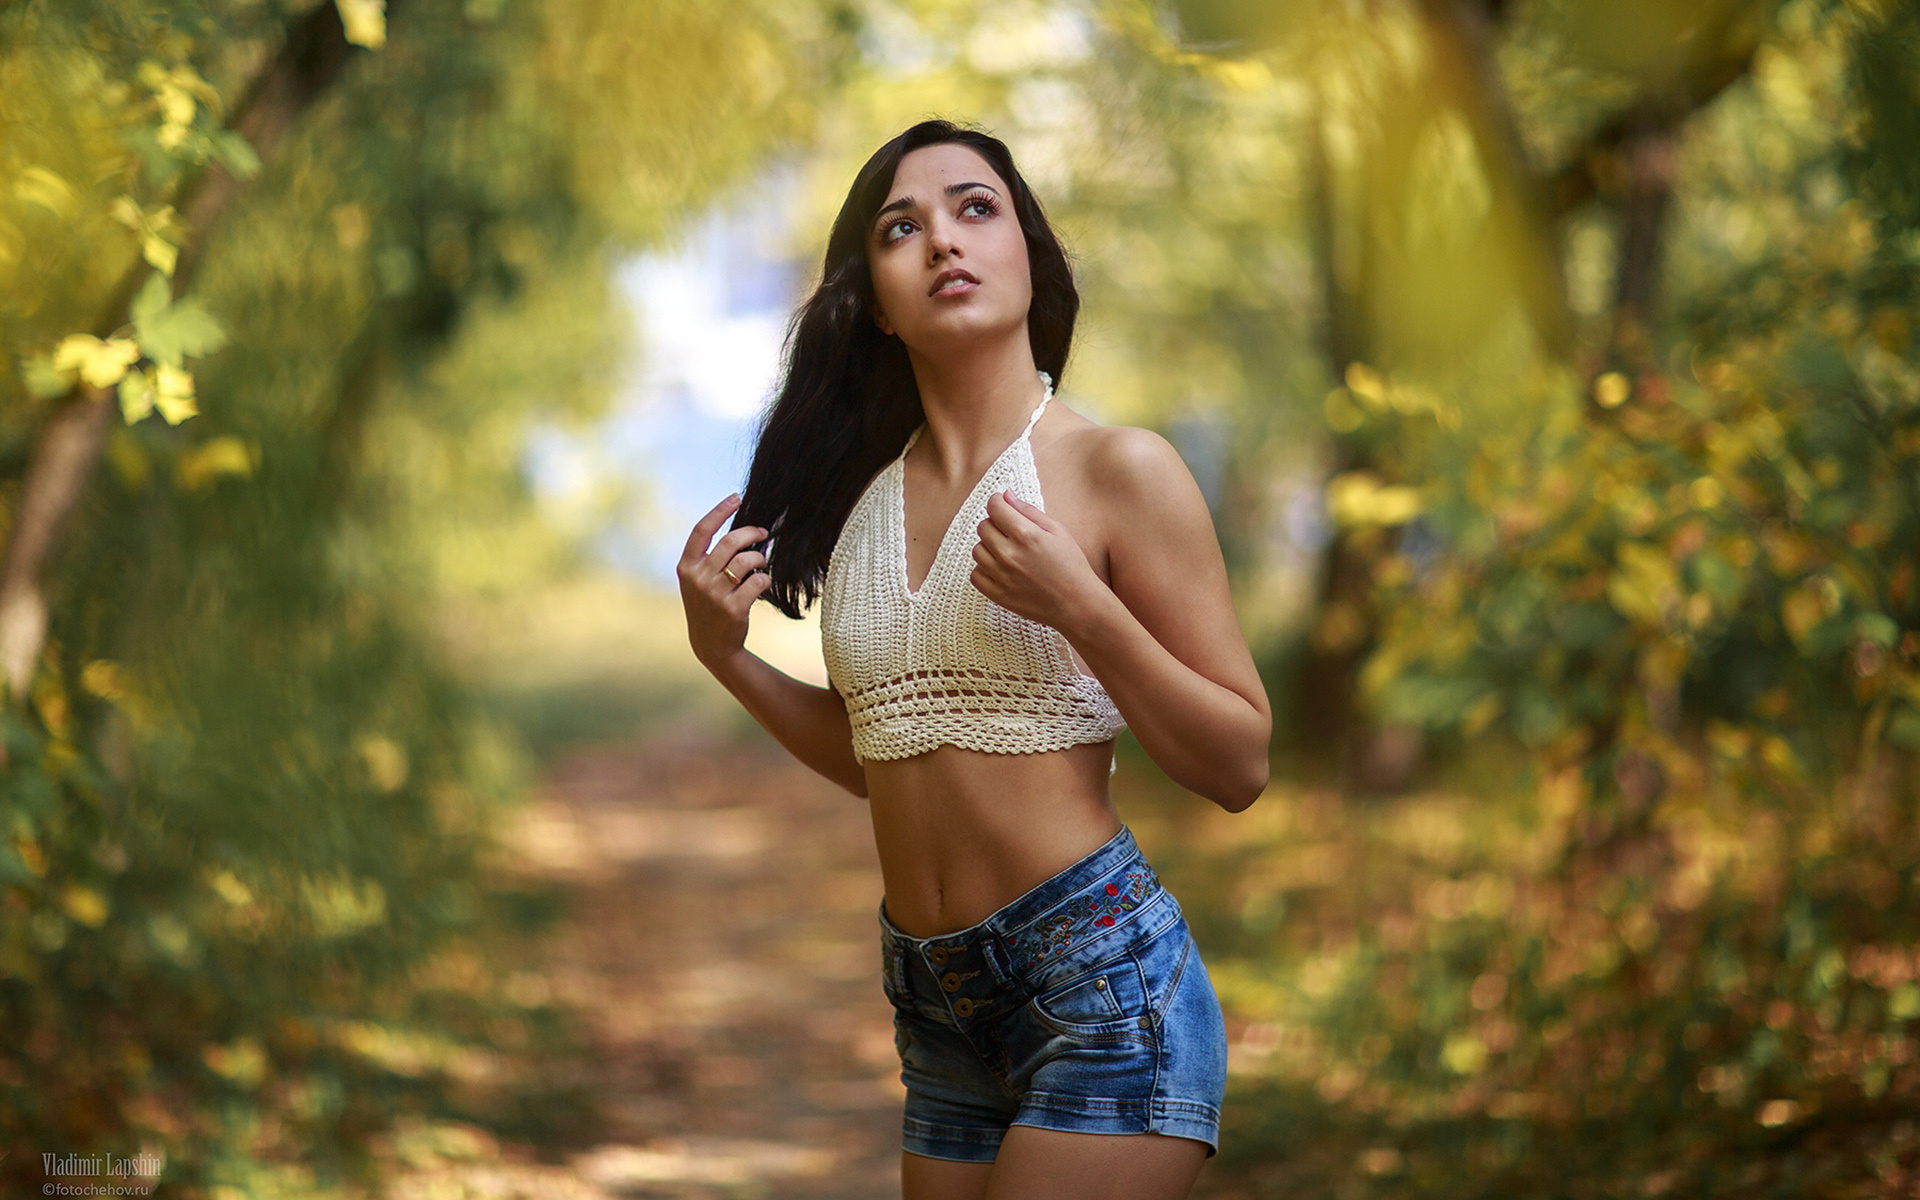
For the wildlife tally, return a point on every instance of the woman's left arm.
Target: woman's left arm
(1163, 639)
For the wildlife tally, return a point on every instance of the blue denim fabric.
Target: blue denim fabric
(1082, 1006)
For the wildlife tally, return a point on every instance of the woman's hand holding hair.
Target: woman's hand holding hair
(716, 605)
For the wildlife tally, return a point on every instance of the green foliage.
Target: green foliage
(246, 804)
(1672, 955)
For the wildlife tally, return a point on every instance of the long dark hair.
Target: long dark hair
(848, 400)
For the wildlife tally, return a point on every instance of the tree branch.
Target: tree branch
(1720, 57)
(69, 442)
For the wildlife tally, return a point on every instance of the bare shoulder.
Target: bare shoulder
(1118, 459)
(1132, 461)
(1123, 491)
(1127, 474)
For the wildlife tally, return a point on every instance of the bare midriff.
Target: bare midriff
(963, 833)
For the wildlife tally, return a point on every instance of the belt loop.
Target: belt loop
(994, 951)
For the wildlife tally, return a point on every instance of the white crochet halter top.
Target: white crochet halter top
(946, 665)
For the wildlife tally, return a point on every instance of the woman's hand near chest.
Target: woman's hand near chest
(1041, 564)
(1156, 625)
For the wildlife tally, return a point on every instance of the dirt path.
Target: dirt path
(721, 953)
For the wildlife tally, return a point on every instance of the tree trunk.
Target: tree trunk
(1327, 713)
(69, 442)
(1460, 35)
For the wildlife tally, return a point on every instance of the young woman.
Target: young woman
(1004, 585)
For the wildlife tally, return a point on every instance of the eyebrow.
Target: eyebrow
(952, 189)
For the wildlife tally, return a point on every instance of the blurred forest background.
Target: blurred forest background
(1549, 365)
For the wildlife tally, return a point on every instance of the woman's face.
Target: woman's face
(948, 259)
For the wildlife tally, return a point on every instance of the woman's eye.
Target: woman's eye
(886, 234)
(980, 202)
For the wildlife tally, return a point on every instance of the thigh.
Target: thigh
(1093, 1166)
(937, 1179)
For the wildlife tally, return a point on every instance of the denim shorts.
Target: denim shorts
(1082, 1006)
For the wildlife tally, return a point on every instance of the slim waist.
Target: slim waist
(1001, 960)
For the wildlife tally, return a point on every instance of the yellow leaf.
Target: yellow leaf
(210, 460)
(1241, 75)
(386, 761)
(1482, 713)
(1706, 492)
(1359, 498)
(173, 394)
(244, 1061)
(176, 105)
(31, 855)
(188, 79)
(229, 888)
(1611, 390)
(104, 678)
(1463, 1054)
(161, 253)
(342, 905)
(84, 905)
(136, 396)
(1904, 1003)
(1644, 584)
(100, 363)
(365, 22)
(37, 185)
(1801, 610)
(1776, 753)
(1365, 382)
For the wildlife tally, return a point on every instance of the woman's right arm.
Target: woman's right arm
(811, 722)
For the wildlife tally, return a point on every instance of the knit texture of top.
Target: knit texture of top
(946, 665)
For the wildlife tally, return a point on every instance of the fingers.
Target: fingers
(701, 570)
(1015, 508)
(742, 565)
(1013, 515)
(738, 599)
(984, 583)
(706, 527)
(696, 552)
(733, 543)
(989, 527)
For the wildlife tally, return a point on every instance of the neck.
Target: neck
(975, 405)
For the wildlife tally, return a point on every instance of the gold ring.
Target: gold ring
(728, 572)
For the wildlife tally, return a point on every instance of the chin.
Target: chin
(965, 326)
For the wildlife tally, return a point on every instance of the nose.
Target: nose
(941, 242)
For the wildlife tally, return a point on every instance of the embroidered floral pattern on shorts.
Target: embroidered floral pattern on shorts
(1083, 916)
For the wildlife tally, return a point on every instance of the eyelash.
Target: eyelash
(992, 208)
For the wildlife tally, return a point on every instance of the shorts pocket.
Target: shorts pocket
(1109, 1000)
(1162, 962)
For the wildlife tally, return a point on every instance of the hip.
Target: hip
(1108, 907)
(1086, 991)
